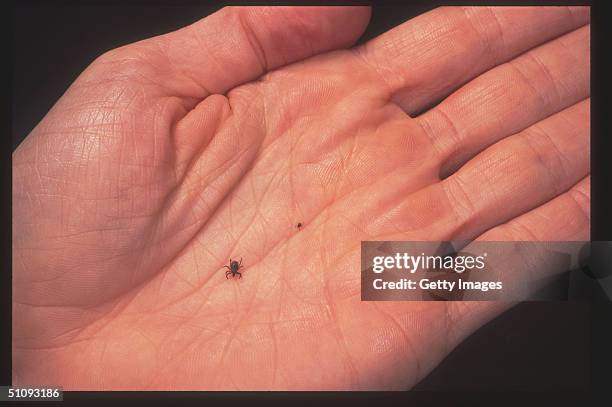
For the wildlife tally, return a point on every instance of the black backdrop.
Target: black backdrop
(534, 346)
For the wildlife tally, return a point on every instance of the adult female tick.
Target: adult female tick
(233, 268)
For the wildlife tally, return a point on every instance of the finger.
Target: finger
(509, 98)
(427, 57)
(239, 44)
(524, 268)
(507, 179)
(519, 172)
(565, 218)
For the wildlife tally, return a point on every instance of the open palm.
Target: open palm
(257, 134)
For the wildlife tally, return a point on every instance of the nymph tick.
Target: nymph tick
(233, 268)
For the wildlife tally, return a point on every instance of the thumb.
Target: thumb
(238, 44)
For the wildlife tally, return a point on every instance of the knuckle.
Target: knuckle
(520, 230)
(582, 201)
(546, 155)
(459, 197)
(133, 60)
(489, 35)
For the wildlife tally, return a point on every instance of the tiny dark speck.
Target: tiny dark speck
(299, 225)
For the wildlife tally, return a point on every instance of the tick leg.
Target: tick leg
(239, 274)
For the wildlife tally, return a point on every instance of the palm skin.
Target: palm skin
(138, 187)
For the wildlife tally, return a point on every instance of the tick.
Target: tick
(233, 268)
(299, 225)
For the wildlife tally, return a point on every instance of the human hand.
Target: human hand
(167, 157)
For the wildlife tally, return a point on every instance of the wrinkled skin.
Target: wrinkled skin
(169, 156)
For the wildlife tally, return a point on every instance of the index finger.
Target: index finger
(424, 59)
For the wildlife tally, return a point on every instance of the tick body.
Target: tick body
(232, 269)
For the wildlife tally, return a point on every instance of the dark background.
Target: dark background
(538, 346)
